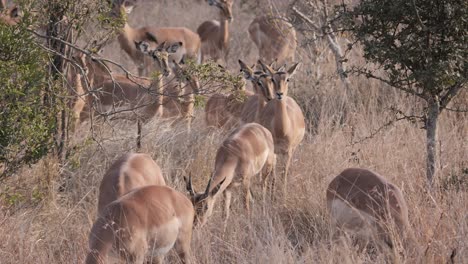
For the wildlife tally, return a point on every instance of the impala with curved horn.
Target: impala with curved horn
(127, 173)
(145, 223)
(246, 152)
(366, 204)
(282, 116)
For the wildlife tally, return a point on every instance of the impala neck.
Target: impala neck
(126, 38)
(224, 30)
(261, 104)
(156, 108)
(281, 115)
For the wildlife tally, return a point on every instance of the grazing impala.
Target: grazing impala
(246, 152)
(129, 35)
(129, 172)
(9, 16)
(274, 37)
(365, 203)
(214, 34)
(283, 117)
(145, 223)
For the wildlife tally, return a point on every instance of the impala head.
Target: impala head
(266, 87)
(160, 55)
(9, 16)
(119, 6)
(250, 75)
(225, 7)
(280, 78)
(202, 202)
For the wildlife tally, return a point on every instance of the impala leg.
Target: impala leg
(227, 206)
(286, 169)
(267, 172)
(157, 260)
(182, 246)
(248, 197)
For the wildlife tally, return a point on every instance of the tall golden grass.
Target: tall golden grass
(47, 210)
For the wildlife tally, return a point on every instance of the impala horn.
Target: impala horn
(189, 185)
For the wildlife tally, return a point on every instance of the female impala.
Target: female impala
(191, 40)
(225, 110)
(365, 203)
(214, 34)
(240, 106)
(127, 173)
(178, 100)
(122, 91)
(246, 152)
(274, 37)
(283, 117)
(148, 221)
(263, 94)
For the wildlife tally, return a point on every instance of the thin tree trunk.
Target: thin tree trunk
(431, 137)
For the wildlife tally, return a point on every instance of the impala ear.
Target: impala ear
(246, 70)
(174, 47)
(282, 68)
(273, 63)
(293, 69)
(151, 37)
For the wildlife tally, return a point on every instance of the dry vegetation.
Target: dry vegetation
(45, 218)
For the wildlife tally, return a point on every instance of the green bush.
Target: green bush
(28, 116)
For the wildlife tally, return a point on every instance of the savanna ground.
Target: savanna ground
(47, 210)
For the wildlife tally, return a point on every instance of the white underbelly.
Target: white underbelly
(163, 238)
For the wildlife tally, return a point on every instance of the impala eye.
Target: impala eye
(287, 80)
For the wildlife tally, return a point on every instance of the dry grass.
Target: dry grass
(47, 211)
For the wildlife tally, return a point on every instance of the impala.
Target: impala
(129, 172)
(86, 75)
(145, 223)
(129, 35)
(283, 117)
(9, 16)
(214, 34)
(118, 91)
(366, 204)
(254, 105)
(241, 105)
(178, 100)
(225, 110)
(246, 152)
(274, 37)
